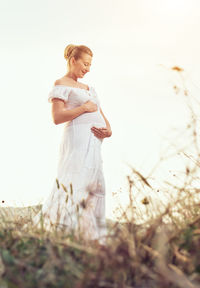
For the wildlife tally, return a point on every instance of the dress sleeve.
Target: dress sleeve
(60, 92)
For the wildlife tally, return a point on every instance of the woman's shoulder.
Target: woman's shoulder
(61, 86)
(65, 82)
(59, 91)
(60, 82)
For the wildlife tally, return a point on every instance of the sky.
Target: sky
(134, 43)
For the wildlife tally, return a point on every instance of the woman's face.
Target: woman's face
(82, 65)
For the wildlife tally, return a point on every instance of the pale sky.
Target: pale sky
(134, 44)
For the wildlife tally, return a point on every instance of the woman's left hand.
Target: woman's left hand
(101, 132)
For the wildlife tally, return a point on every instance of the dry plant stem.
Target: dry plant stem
(169, 271)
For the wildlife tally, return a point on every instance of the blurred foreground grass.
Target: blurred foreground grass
(152, 255)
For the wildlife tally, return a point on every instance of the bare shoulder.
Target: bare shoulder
(67, 82)
(61, 81)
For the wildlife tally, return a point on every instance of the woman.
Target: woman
(77, 200)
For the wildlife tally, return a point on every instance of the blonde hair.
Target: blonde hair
(76, 52)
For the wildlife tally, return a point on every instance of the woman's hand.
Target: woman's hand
(101, 132)
(90, 106)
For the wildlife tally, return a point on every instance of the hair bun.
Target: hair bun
(68, 50)
(75, 51)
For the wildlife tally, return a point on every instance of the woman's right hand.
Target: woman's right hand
(90, 106)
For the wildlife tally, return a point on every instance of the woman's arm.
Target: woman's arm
(60, 114)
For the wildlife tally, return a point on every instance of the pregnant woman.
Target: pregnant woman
(77, 199)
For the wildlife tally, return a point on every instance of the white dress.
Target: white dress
(77, 199)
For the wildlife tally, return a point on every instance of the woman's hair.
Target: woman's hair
(76, 51)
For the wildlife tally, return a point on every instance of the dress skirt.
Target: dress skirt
(77, 199)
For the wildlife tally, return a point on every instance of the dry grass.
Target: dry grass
(162, 251)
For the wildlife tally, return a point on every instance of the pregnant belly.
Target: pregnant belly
(93, 118)
(77, 135)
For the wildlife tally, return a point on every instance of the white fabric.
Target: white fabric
(80, 163)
